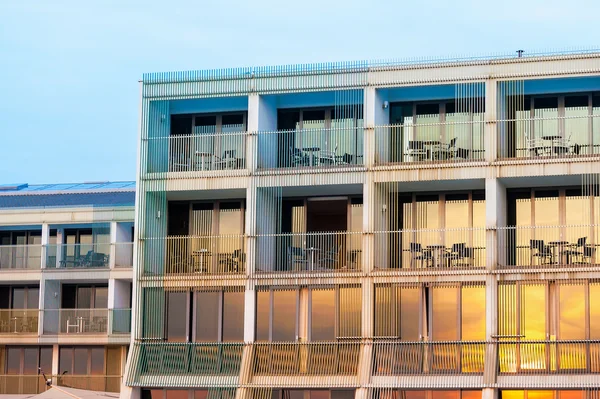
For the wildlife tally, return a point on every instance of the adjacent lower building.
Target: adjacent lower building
(370, 230)
(66, 269)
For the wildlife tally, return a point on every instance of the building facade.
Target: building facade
(369, 230)
(66, 269)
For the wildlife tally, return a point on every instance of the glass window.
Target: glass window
(177, 316)
(80, 363)
(594, 310)
(233, 316)
(473, 313)
(350, 312)
(470, 395)
(33, 298)
(101, 298)
(533, 308)
(65, 360)
(445, 394)
(445, 313)
(397, 312)
(319, 394)
(572, 311)
(409, 313)
(97, 361)
(207, 316)
(415, 394)
(201, 394)
(284, 315)
(84, 297)
(13, 360)
(263, 312)
(177, 394)
(322, 315)
(46, 359)
(18, 301)
(30, 360)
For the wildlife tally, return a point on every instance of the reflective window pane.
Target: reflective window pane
(470, 395)
(207, 316)
(233, 316)
(13, 361)
(177, 394)
(350, 312)
(263, 311)
(533, 311)
(101, 298)
(177, 317)
(284, 315)
(322, 315)
(65, 359)
(33, 298)
(572, 311)
(201, 394)
(409, 313)
(30, 360)
(445, 313)
(445, 394)
(594, 310)
(473, 313)
(80, 363)
(97, 362)
(46, 359)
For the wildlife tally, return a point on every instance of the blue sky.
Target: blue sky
(69, 69)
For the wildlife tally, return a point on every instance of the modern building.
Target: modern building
(370, 230)
(66, 268)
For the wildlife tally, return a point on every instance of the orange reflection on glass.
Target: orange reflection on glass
(571, 394)
(445, 394)
(512, 394)
(594, 310)
(470, 395)
(284, 315)
(263, 310)
(350, 311)
(322, 315)
(473, 313)
(572, 311)
(409, 313)
(445, 314)
(540, 395)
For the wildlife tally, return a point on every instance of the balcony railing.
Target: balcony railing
(34, 384)
(430, 249)
(120, 320)
(75, 321)
(549, 357)
(20, 257)
(417, 358)
(334, 251)
(431, 142)
(19, 321)
(187, 359)
(77, 255)
(306, 359)
(310, 148)
(197, 152)
(123, 254)
(195, 254)
(545, 137)
(549, 246)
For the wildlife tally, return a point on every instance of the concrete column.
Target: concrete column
(45, 240)
(55, 364)
(495, 216)
(51, 306)
(129, 392)
(376, 116)
(250, 230)
(489, 393)
(113, 241)
(60, 233)
(262, 117)
(368, 238)
(249, 311)
(490, 134)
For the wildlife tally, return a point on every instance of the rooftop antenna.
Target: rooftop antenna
(520, 53)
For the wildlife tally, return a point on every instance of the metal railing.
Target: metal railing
(307, 358)
(197, 152)
(34, 384)
(430, 249)
(549, 357)
(548, 246)
(20, 257)
(120, 321)
(195, 254)
(123, 254)
(327, 251)
(416, 358)
(19, 321)
(310, 148)
(75, 321)
(188, 358)
(429, 142)
(77, 255)
(549, 137)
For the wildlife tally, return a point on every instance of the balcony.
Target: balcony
(76, 321)
(306, 359)
(152, 359)
(555, 137)
(208, 255)
(549, 357)
(18, 257)
(120, 321)
(440, 249)
(310, 149)
(74, 256)
(309, 252)
(548, 246)
(34, 384)
(434, 358)
(19, 321)
(450, 142)
(197, 152)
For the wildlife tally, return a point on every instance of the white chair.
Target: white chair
(328, 157)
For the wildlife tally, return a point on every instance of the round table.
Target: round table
(312, 150)
(436, 250)
(560, 245)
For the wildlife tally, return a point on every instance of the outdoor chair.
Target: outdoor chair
(418, 254)
(297, 259)
(538, 249)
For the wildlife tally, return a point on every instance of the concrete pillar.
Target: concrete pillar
(489, 393)
(249, 311)
(129, 392)
(490, 135)
(250, 230)
(495, 216)
(113, 240)
(55, 358)
(60, 233)
(45, 240)
(376, 119)
(262, 117)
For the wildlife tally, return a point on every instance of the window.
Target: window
(441, 312)
(219, 316)
(177, 316)
(14, 297)
(26, 360)
(84, 296)
(81, 360)
(335, 313)
(277, 315)
(25, 251)
(313, 394)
